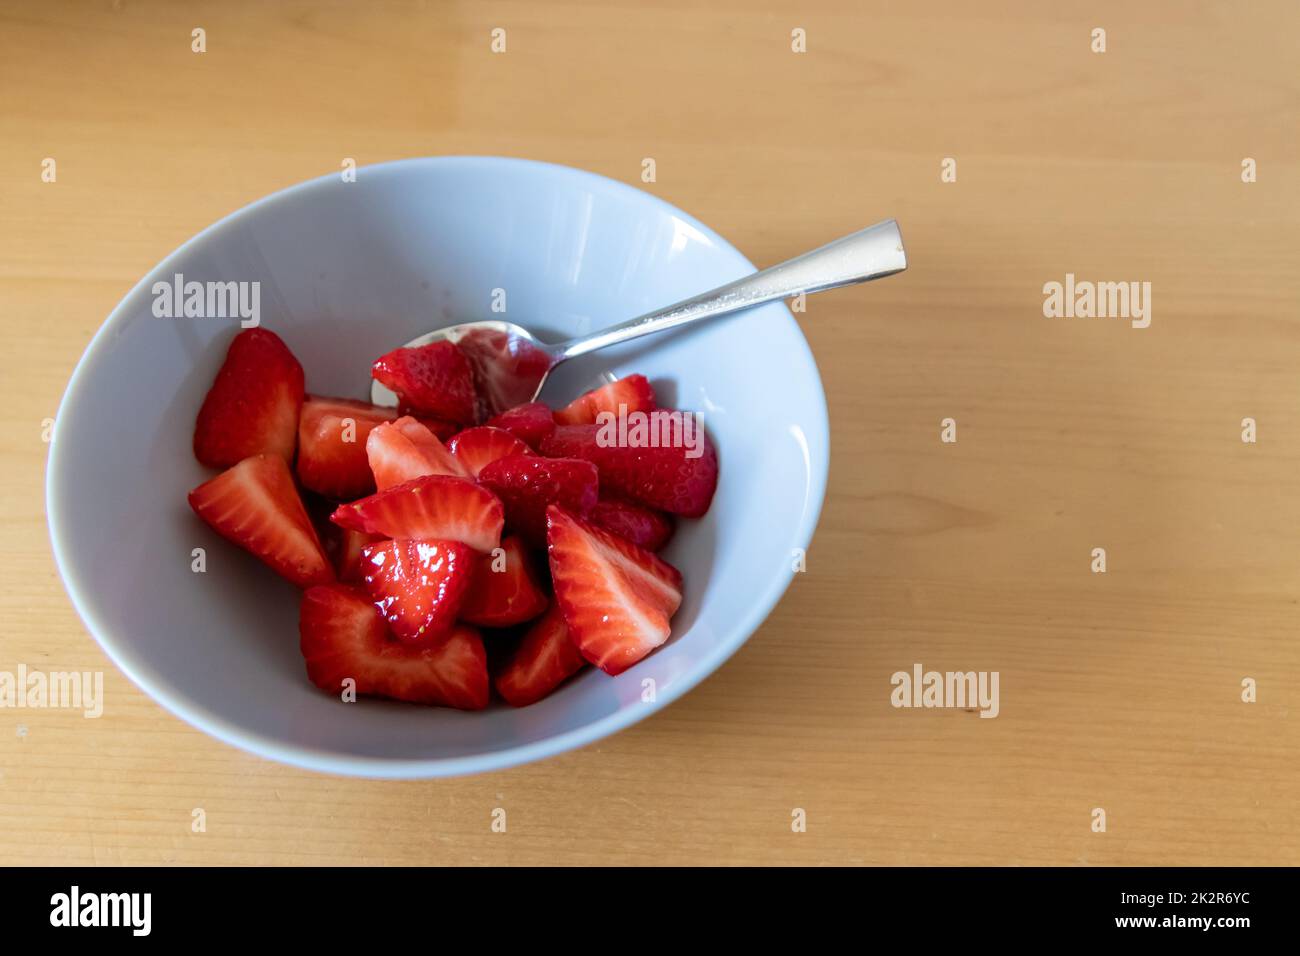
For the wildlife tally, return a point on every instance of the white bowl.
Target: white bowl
(349, 270)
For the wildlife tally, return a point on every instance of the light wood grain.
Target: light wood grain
(1119, 691)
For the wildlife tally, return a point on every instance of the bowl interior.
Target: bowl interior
(346, 272)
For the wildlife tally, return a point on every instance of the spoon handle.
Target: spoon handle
(871, 253)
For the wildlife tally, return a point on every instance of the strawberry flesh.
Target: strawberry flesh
(435, 506)
(407, 449)
(476, 448)
(332, 436)
(343, 638)
(631, 394)
(252, 407)
(527, 484)
(256, 505)
(505, 590)
(617, 599)
(545, 658)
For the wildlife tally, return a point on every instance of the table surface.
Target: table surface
(1119, 690)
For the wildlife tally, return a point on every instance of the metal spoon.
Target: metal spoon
(511, 366)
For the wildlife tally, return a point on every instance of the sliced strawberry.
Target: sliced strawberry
(644, 527)
(434, 380)
(507, 369)
(631, 394)
(526, 484)
(505, 590)
(342, 637)
(476, 447)
(347, 556)
(417, 584)
(530, 423)
(252, 407)
(332, 436)
(256, 505)
(667, 478)
(545, 658)
(617, 598)
(406, 449)
(435, 506)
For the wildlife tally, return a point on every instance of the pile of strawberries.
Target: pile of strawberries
(510, 556)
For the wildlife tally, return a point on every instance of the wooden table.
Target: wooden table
(1120, 691)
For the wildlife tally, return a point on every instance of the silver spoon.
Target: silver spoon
(511, 366)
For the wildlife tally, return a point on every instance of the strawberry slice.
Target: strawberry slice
(442, 430)
(505, 590)
(476, 447)
(507, 369)
(530, 423)
(332, 435)
(347, 555)
(435, 506)
(342, 637)
(417, 584)
(644, 527)
(406, 449)
(255, 505)
(434, 380)
(617, 598)
(667, 478)
(545, 658)
(526, 484)
(252, 407)
(633, 394)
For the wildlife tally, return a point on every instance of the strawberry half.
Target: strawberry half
(417, 584)
(634, 393)
(256, 505)
(434, 380)
(252, 407)
(475, 448)
(666, 478)
(545, 658)
(526, 484)
(332, 436)
(530, 423)
(617, 598)
(406, 449)
(644, 527)
(435, 506)
(505, 590)
(343, 637)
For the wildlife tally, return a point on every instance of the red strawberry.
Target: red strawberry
(406, 449)
(347, 557)
(256, 505)
(343, 637)
(634, 393)
(505, 590)
(545, 658)
(435, 506)
(434, 380)
(530, 423)
(617, 598)
(252, 407)
(644, 527)
(507, 370)
(526, 484)
(332, 436)
(666, 478)
(417, 584)
(476, 447)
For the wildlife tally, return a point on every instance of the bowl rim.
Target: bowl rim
(404, 768)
